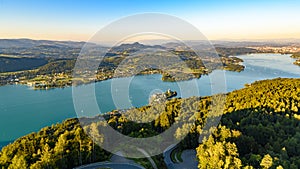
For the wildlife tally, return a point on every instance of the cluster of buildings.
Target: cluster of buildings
(162, 97)
(281, 49)
(13, 79)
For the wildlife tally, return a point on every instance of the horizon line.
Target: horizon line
(221, 39)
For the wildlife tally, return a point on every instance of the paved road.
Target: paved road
(118, 157)
(117, 161)
(167, 156)
(120, 162)
(188, 158)
(110, 165)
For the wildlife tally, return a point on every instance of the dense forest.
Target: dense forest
(57, 66)
(259, 128)
(8, 64)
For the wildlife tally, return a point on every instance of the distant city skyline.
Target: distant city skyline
(217, 20)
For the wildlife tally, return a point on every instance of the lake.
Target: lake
(23, 110)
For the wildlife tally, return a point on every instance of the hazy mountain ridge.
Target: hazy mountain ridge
(29, 43)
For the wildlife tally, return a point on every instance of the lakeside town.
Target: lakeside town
(63, 78)
(59, 72)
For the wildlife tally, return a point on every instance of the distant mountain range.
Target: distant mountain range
(133, 47)
(28, 48)
(29, 43)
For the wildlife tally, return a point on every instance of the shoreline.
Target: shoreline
(141, 74)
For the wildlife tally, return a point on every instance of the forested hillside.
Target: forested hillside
(8, 64)
(260, 128)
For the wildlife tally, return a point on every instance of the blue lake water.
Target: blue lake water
(23, 110)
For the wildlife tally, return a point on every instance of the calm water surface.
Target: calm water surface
(23, 110)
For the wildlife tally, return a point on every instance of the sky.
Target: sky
(217, 20)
